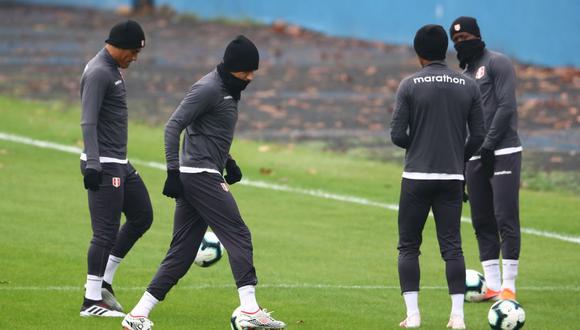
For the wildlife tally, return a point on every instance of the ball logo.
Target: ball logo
(225, 186)
(457, 27)
(480, 72)
(116, 182)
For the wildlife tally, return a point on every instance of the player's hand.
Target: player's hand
(465, 195)
(487, 161)
(234, 173)
(173, 187)
(92, 179)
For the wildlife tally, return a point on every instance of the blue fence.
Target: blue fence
(541, 32)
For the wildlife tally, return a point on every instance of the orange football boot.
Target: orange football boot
(491, 295)
(507, 294)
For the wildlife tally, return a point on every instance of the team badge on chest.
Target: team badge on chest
(116, 182)
(480, 72)
(225, 186)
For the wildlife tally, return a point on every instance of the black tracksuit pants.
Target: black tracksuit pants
(495, 206)
(121, 191)
(444, 197)
(206, 201)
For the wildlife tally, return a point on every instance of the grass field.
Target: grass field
(322, 263)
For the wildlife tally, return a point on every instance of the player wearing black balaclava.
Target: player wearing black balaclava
(493, 174)
(208, 115)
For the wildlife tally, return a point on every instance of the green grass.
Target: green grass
(298, 240)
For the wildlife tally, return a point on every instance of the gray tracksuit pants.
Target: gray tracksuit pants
(121, 191)
(444, 197)
(495, 206)
(206, 201)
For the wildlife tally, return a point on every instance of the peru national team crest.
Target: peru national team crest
(116, 182)
(225, 186)
(480, 72)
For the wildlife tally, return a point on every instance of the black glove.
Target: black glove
(234, 174)
(465, 195)
(92, 179)
(487, 161)
(173, 187)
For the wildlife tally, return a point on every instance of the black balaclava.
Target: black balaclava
(467, 50)
(241, 55)
(127, 35)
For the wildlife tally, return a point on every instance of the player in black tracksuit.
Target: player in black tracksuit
(436, 109)
(114, 186)
(493, 174)
(207, 116)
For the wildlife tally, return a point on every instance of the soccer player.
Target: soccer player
(113, 185)
(493, 174)
(434, 110)
(208, 115)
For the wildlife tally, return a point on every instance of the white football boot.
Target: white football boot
(259, 320)
(456, 322)
(100, 310)
(131, 322)
(413, 321)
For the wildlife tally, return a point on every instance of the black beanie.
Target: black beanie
(241, 55)
(464, 24)
(127, 35)
(431, 42)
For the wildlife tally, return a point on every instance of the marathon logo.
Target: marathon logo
(440, 78)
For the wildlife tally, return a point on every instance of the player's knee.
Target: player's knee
(409, 252)
(452, 254)
(147, 220)
(141, 223)
(103, 241)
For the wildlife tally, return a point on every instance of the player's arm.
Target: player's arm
(475, 125)
(197, 101)
(94, 86)
(400, 121)
(504, 82)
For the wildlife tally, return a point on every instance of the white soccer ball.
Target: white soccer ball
(234, 320)
(475, 286)
(506, 315)
(210, 250)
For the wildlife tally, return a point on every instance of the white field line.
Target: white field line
(271, 186)
(280, 286)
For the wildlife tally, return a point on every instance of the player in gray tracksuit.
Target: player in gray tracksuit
(207, 116)
(113, 185)
(493, 174)
(435, 110)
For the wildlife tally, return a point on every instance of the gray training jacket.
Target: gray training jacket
(208, 114)
(434, 109)
(104, 112)
(496, 77)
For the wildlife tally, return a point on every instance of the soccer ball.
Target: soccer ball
(234, 320)
(210, 250)
(506, 315)
(475, 287)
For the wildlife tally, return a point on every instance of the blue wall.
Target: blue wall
(542, 32)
